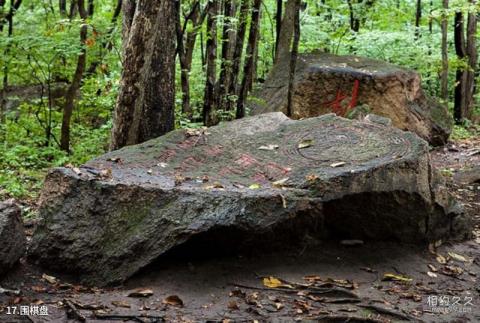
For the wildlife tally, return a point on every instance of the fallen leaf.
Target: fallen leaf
(280, 183)
(254, 186)
(452, 271)
(163, 165)
(430, 274)
(233, 306)
(121, 304)
(271, 282)
(339, 164)
(173, 300)
(52, 280)
(394, 277)
(305, 143)
(457, 257)
(268, 147)
(432, 268)
(39, 289)
(141, 293)
(312, 178)
(216, 185)
(441, 259)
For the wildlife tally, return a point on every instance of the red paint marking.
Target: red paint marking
(259, 178)
(336, 104)
(188, 143)
(214, 151)
(353, 102)
(166, 155)
(274, 170)
(246, 161)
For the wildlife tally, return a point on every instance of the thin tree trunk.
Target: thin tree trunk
(75, 84)
(14, 5)
(226, 66)
(286, 31)
(461, 75)
(146, 100)
(354, 21)
(278, 21)
(250, 57)
(444, 74)
(62, 7)
(471, 51)
(209, 106)
(418, 17)
(293, 59)
(238, 52)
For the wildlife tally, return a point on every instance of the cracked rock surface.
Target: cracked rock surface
(263, 178)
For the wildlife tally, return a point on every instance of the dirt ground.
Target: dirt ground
(321, 282)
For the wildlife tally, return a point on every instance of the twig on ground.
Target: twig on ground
(9, 291)
(73, 312)
(383, 310)
(123, 317)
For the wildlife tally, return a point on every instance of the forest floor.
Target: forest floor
(325, 282)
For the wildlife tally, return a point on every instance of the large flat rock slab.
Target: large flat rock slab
(12, 235)
(352, 85)
(263, 176)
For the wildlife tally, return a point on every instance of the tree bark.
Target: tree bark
(62, 7)
(444, 74)
(278, 21)
(293, 59)
(185, 48)
(250, 57)
(209, 105)
(146, 100)
(75, 84)
(461, 75)
(418, 17)
(226, 66)
(471, 51)
(238, 52)
(286, 31)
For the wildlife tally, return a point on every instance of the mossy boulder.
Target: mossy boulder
(326, 83)
(265, 178)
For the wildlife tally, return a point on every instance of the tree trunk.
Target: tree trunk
(461, 75)
(286, 31)
(418, 17)
(238, 52)
(146, 100)
(471, 51)
(62, 7)
(354, 20)
(278, 21)
(185, 48)
(293, 59)
(250, 57)
(226, 66)
(209, 106)
(75, 84)
(444, 74)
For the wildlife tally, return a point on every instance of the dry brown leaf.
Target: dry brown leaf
(173, 300)
(141, 292)
(121, 304)
(52, 280)
(233, 306)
